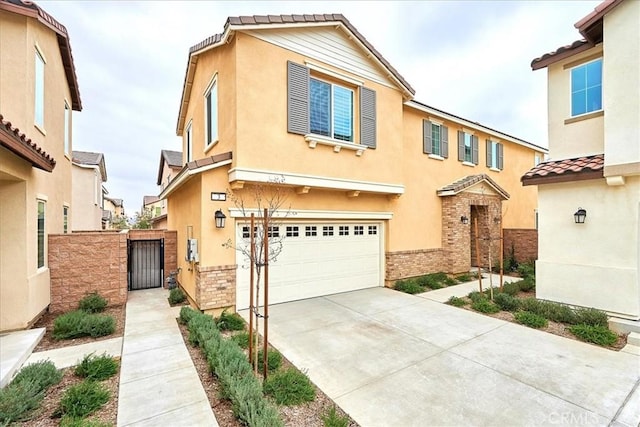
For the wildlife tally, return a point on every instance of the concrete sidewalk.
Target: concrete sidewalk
(159, 385)
(392, 359)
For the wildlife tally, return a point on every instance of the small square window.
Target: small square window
(373, 229)
(292, 231)
(358, 230)
(310, 230)
(343, 230)
(273, 232)
(245, 232)
(327, 230)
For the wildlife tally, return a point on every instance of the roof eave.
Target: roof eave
(564, 177)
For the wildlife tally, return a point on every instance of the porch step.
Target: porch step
(634, 339)
(15, 348)
(624, 326)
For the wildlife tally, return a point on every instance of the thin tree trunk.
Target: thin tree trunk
(475, 222)
(252, 259)
(501, 255)
(265, 337)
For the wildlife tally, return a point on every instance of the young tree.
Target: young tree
(142, 220)
(120, 222)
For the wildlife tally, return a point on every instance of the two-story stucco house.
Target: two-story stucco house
(170, 165)
(89, 173)
(589, 192)
(380, 187)
(38, 92)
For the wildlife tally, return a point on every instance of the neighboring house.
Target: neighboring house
(382, 187)
(170, 165)
(152, 206)
(113, 212)
(89, 175)
(38, 91)
(594, 144)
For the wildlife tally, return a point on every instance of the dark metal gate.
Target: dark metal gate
(145, 264)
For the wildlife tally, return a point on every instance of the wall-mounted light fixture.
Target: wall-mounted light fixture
(464, 219)
(580, 216)
(220, 218)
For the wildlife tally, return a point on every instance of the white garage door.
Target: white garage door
(317, 259)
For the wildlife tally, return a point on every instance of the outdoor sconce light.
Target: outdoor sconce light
(580, 216)
(220, 218)
(464, 219)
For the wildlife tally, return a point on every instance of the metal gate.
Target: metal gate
(145, 264)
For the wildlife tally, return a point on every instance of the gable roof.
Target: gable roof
(194, 168)
(576, 169)
(88, 158)
(239, 23)
(469, 181)
(147, 200)
(590, 27)
(32, 10)
(171, 158)
(116, 202)
(18, 143)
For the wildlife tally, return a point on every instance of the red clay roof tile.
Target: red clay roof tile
(587, 167)
(22, 146)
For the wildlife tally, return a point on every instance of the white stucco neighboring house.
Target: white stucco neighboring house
(89, 173)
(594, 166)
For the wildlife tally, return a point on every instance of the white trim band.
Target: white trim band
(314, 214)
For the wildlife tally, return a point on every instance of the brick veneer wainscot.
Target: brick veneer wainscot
(216, 288)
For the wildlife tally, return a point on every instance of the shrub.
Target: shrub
(241, 339)
(289, 387)
(531, 320)
(44, 374)
(96, 325)
(549, 310)
(485, 306)
(78, 323)
(506, 302)
(97, 367)
(511, 288)
(409, 286)
(599, 335)
(456, 302)
(466, 277)
(331, 418)
(592, 317)
(186, 313)
(68, 421)
(92, 303)
(527, 270)
(176, 296)
(527, 284)
(274, 360)
(83, 399)
(476, 296)
(230, 322)
(450, 281)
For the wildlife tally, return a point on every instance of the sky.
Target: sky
(468, 58)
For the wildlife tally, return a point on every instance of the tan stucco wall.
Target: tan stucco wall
(26, 287)
(87, 189)
(590, 264)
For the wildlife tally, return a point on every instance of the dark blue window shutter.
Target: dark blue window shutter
(297, 98)
(500, 156)
(488, 145)
(368, 117)
(461, 146)
(444, 141)
(474, 148)
(426, 137)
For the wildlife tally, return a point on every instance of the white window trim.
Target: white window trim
(189, 136)
(332, 126)
(436, 157)
(307, 214)
(495, 169)
(571, 116)
(494, 142)
(335, 74)
(436, 121)
(470, 164)
(38, 126)
(208, 145)
(314, 139)
(67, 129)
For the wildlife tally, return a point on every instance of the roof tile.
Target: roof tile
(38, 157)
(566, 167)
(469, 181)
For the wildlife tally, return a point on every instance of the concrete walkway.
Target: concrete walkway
(15, 348)
(392, 359)
(463, 289)
(159, 385)
(66, 357)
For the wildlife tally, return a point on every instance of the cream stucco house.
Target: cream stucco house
(379, 186)
(38, 92)
(89, 173)
(589, 192)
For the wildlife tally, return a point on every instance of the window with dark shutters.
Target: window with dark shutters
(426, 137)
(368, 117)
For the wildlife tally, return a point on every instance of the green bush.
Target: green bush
(176, 296)
(97, 368)
(92, 303)
(274, 360)
(26, 391)
(78, 323)
(331, 418)
(230, 322)
(409, 286)
(241, 339)
(457, 302)
(68, 421)
(450, 281)
(531, 320)
(485, 306)
(511, 288)
(476, 296)
(591, 316)
(83, 399)
(506, 302)
(599, 335)
(289, 387)
(527, 284)
(549, 310)
(466, 277)
(186, 313)
(527, 270)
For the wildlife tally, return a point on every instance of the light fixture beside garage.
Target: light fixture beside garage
(580, 216)
(464, 219)
(220, 218)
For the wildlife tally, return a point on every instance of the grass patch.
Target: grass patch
(409, 286)
(289, 387)
(457, 302)
(97, 368)
(83, 399)
(230, 322)
(506, 302)
(78, 323)
(599, 335)
(92, 303)
(68, 421)
(531, 320)
(483, 305)
(274, 360)
(176, 296)
(331, 418)
(465, 277)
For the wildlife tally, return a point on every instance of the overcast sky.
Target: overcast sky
(469, 58)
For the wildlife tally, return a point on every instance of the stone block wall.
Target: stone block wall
(524, 242)
(216, 288)
(404, 264)
(85, 262)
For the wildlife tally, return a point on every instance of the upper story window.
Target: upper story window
(39, 90)
(495, 155)
(67, 131)
(536, 159)
(41, 239)
(211, 114)
(327, 109)
(331, 110)
(586, 88)
(188, 144)
(435, 139)
(467, 148)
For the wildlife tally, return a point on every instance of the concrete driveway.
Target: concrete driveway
(392, 359)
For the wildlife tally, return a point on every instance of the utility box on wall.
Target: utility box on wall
(192, 250)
